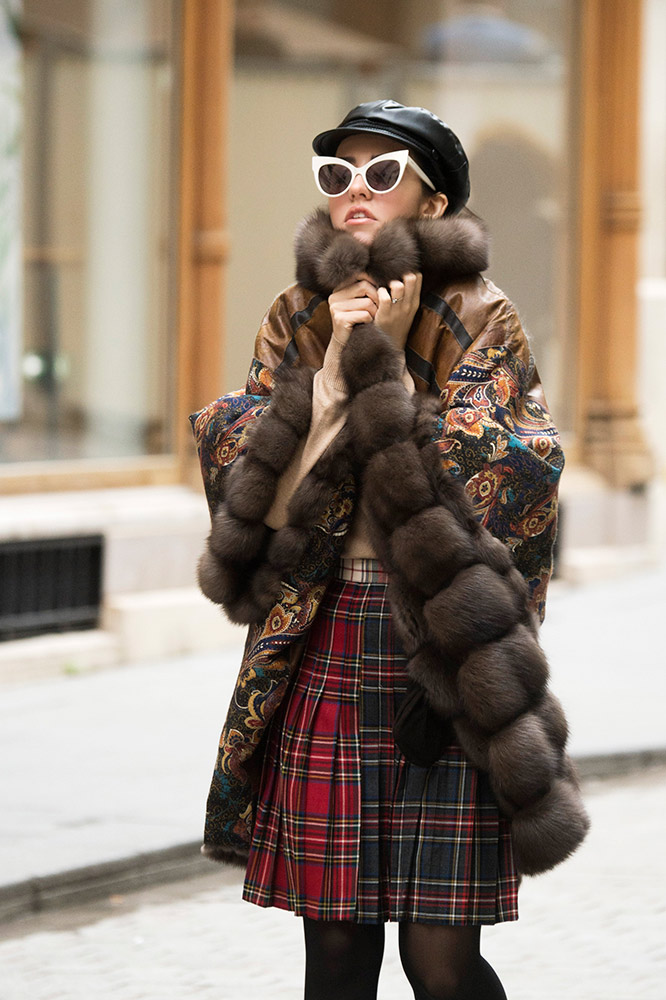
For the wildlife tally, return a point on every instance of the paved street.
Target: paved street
(594, 928)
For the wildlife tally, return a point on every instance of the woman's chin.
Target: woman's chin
(363, 236)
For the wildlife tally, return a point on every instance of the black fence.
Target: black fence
(50, 585)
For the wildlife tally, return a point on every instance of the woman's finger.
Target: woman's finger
(361, 316)
(346, 301)
(351, 305)
(397, 291)
(355, 289)
(412, 285)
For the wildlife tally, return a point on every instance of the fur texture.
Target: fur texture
(459, 605)
(225, 855)
(243, 560)
(452, 246)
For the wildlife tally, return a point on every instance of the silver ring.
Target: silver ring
(393, 301)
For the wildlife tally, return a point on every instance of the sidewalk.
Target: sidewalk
(106, 775)
(593, 927)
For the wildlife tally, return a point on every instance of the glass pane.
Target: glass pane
(97, 147)
(499, 73)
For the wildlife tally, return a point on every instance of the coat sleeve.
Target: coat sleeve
(495, 432)
(220, 429)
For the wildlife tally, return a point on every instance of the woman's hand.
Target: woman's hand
(392, 309)
(397, 306)
(352, 303)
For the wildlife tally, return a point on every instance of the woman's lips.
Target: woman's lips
(356, 216)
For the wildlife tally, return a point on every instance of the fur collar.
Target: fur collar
(442, 249)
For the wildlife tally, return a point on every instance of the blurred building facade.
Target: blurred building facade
(154, 158)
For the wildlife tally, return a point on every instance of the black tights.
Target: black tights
(444, 963)
(343, 960)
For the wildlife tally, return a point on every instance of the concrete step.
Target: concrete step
(23, 661)
(135, 627)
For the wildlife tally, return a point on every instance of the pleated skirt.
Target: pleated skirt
(345, 828)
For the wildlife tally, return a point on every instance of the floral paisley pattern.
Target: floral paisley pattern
(505, 446)
(220, 429)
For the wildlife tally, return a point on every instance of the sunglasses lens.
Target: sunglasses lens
(334, 178)
(384, 175)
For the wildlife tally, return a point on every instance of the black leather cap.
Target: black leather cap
(436, 148)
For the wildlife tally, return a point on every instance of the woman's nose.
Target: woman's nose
(358, 186)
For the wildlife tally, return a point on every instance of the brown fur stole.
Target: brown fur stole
(461, 609)
(459, 604)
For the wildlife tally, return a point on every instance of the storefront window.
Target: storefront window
(498, 72)
(90, 363)
(501, 72)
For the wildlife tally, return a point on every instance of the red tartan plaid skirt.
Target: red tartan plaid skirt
(345, 828)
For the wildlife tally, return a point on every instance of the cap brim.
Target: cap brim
(326, 143)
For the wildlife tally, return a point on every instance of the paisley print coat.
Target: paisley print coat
(459, 487)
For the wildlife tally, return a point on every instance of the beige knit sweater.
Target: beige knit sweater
(330, 404)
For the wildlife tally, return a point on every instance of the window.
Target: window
(87, 355)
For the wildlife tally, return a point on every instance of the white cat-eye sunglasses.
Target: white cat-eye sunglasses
(382, 174)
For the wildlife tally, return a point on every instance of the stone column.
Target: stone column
(612, 440)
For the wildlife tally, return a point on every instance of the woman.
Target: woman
(383, 496)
